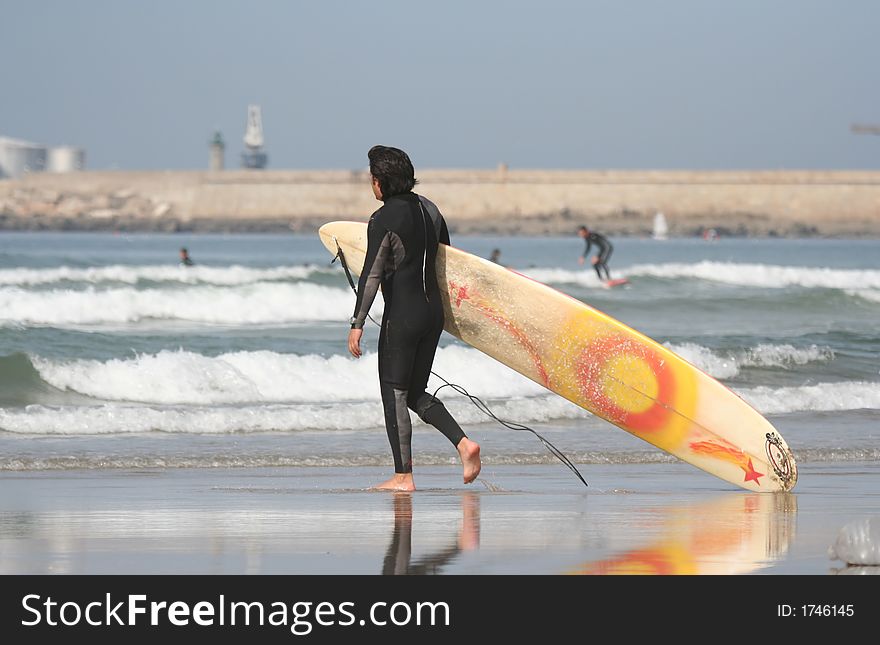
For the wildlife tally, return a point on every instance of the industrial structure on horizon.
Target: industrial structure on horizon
(18, 158)
(254, 156)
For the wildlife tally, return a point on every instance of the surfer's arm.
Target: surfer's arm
(378, 247)
(586, 247)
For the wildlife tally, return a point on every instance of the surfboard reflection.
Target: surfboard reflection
(734, 534)
(398, 557)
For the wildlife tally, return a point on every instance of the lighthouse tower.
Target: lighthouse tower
(217, 148)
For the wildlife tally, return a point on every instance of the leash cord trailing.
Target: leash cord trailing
(478, 403)
(482, 407)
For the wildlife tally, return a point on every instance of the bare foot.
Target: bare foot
(469, 451)
(399, 481)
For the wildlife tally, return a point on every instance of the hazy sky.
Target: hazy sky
(540, 84)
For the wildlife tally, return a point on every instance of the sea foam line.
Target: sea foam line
(727, 364)
(763, 275)
(822, 397)
(116, 419)
(119, 419)
(185, 377)
(134, 274)
(259, 303)
(741, 274)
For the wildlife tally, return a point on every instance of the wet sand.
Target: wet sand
(665, 518)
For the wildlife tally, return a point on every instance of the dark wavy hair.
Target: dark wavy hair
(393, 169)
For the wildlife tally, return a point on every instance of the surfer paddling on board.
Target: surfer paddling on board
(402, 240)
(600, 261)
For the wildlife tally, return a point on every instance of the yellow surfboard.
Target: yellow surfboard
(600, 364)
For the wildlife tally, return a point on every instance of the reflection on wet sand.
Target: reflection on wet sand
(398, 557)
(733, 534)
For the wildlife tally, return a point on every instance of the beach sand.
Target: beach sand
(661, 518)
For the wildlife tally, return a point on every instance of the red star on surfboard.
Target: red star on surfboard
(461, 293)
(752, 474)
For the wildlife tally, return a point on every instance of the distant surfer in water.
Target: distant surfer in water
(185, 260)
(402, 240)
(600, 261)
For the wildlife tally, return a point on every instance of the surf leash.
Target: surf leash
(341, 257)
(477, 402)
(482, 407)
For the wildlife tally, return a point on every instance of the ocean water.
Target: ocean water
(113, 356)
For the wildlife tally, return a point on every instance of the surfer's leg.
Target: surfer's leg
(432, 411)
(398, 424)
(603, 260)
(399, 428)
(429, 408)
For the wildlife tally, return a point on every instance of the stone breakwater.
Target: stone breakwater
(756, 203)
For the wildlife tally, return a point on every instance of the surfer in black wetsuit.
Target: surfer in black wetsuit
(600, 262)
(185, 260)
(402, 239)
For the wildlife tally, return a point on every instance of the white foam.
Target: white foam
(713, 364)
(114, 418)
(742, 274)
(728, 365)
(133, 274)
(264, 391)
(120, 418)
(767, 355)
(814, 398)
(871, 295)
(763, 275)
(259, 303)
(183, 377)
(584, 278)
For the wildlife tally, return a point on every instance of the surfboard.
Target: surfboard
(616, 282)
(600, 364)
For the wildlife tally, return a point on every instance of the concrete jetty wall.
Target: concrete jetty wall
(500, 201)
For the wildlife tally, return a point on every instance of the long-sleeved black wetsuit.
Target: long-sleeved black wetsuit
(402, 239)
(605, 250)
